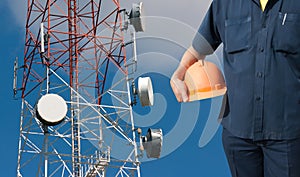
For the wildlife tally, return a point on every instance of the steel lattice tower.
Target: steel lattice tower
(74, 48)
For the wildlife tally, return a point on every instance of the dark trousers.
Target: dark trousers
(267, 158)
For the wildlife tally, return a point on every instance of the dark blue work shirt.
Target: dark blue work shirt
(261, 65)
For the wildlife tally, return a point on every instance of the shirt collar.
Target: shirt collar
(271, 1)
(257, 2)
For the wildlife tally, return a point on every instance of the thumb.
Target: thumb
(185, 97)
(180, 90)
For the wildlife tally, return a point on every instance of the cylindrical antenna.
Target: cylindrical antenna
(42, 38)
(15, 76)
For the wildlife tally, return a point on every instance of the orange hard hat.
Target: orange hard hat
(204, 80)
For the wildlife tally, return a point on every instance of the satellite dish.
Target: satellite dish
(135, 17)
(145, 91)
(152, 142)
(51, 109)
(204, 80)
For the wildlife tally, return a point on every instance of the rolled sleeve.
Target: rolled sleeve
(207, 39)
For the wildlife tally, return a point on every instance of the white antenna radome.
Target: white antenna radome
(145, 91)
(42, 38)
(51, 109)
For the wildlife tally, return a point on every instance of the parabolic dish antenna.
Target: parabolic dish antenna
(51, 109)
(135, 17)
(145, 91)
(152, 142)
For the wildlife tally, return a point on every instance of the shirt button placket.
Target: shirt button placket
(259, 81)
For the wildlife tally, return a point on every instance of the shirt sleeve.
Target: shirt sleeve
(207, 39)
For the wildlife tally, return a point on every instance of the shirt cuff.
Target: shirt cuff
(196, 54)
(201, 45)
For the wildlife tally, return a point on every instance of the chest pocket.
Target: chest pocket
(286, 39)
(287, 33)
(237, 34)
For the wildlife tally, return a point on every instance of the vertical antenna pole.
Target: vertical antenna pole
(130, 105)
(133, 131)
(15, 76)
(42, 38)
(20, 140)
(45, 60)
(45, 153)
(134, 50)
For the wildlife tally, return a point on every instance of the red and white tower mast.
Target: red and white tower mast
(74, 52)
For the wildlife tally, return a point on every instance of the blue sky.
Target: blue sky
(11, 47)
(186, 160)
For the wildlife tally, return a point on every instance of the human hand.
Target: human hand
(179, 89)
(177, 80)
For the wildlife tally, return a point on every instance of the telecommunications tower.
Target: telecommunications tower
(78, 89)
